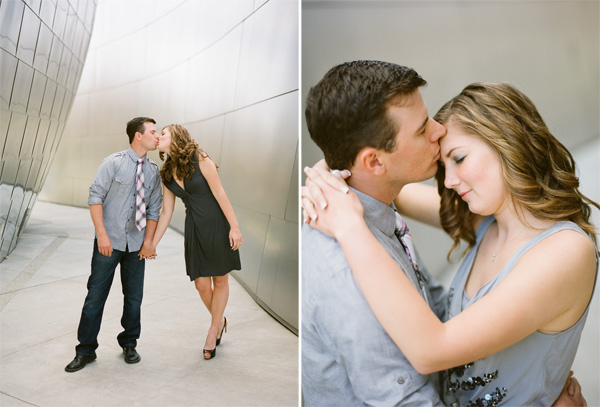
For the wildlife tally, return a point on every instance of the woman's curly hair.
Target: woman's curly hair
(183, 154)
(538, 171)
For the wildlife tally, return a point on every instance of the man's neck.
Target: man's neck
(374, 187)
(139, 150)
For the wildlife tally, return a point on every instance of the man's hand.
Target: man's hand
(148, 251)
(571, 394)
(104, 245)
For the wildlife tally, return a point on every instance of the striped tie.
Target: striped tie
(140, 204)
(405, 238)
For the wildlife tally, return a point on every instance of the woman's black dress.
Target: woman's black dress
(206, 234)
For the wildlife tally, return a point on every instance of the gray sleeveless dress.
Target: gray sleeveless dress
(531, 372)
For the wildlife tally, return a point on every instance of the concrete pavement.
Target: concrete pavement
(43, 285)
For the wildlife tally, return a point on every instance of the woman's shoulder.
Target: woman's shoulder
(565, 246)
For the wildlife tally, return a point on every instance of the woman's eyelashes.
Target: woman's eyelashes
(459, 159)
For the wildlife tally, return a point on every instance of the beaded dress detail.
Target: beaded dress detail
(531, 372)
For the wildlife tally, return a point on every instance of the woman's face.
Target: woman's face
(164, 141)
(473, 170)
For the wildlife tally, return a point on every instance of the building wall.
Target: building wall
(228, 72)
(43, 46)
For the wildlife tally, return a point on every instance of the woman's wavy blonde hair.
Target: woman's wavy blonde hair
(183, 154)
(538, 171)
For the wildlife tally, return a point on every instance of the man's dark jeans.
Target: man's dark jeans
(99, 283)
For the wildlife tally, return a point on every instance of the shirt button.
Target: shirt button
(401, 380)
(455, 404)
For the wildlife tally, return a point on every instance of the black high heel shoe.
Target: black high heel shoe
(224, 329)
(209, 353)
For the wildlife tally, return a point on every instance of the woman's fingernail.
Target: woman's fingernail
(348, 173)
(305, 168)
(336, 173)
(323, 205)
(344, 189)
(313, 216)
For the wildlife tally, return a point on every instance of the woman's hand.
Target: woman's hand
(235, 238)
(328, 203)
(312, 194)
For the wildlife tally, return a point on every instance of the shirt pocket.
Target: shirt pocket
(123, 184)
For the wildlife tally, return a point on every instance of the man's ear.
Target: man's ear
(370, 160)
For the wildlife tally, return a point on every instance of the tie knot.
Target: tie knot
(401, 227)
(140, 161)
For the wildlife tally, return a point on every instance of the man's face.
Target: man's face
(149, 136)
(417, 149)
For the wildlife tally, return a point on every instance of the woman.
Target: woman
(518, 303)
(212, 235)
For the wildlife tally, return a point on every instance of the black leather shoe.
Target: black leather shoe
(79, 363)
(131, 355)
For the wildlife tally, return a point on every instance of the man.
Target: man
(125, 200)
(369, 117)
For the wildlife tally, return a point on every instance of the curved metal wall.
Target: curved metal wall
(228, 72)
(43, 45)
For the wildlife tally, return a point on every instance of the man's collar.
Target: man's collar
(377, 213)
(133, 155)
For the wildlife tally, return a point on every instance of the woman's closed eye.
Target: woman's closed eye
(459, 159)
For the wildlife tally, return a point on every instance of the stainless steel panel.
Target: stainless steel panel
(10, 155)
(254, 226)
(269, 58)
(278, 281)
(78, 39)
(70, 27)
(284, 298)
(65, 106)
(259, 146)
(216, 18)
(81, 8)
(60, 17)
(47, 11)
(8, 65)
(49, 94)
(21, 88)
(37, 94)
(40, 140)
(11, 13)
(178, 38)
(209, 136)
(291, 211)
(55, 57)
(34, 5)
(43, 48)
(57, 103)
(212, 78)
(63, 71)
(90, 13)
(29, 137)
(74, 68)
(4, 121)
(30, 28)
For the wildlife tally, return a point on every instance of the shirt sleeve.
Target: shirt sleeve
(439, 296)
(102, 182)
(155, 199)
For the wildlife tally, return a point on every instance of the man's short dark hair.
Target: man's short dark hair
(137, 125)
(347, 110)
